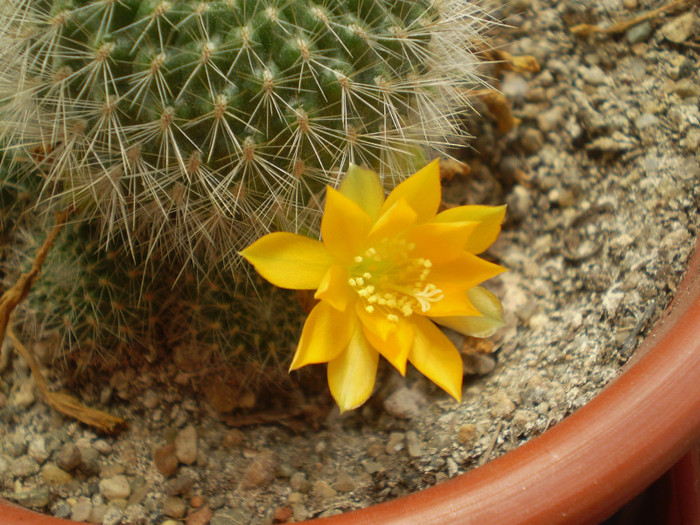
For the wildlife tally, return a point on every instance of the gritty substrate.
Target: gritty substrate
(601, 179)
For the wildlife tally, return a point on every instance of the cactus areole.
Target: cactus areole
(195, 122)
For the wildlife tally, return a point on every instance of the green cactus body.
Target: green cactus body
(252, 332)
(197, 126)
(96, 306)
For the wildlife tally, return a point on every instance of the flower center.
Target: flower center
(391, 281)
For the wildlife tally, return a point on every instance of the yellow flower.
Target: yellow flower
(385, 272)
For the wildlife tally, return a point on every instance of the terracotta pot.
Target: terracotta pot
(586, 467)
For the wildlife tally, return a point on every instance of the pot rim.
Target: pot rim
(584, 468)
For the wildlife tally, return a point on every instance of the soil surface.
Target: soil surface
(602, 182)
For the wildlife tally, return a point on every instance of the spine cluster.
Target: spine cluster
(179, 131)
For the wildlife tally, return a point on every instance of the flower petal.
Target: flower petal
(455, 302)
(434, 355)
(440, 242)
(364, 188)
(393, 221)
(352, 374)
(375, 322)
(334, 288)
(465, 271)
(484, 325)
(397, 345)
(421, 190)
(344, 227)
(325, 335)
(289, 260)
(489, 218)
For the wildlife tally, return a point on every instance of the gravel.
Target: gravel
(602, 182)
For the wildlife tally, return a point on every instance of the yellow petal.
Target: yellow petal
(434, 355)
(421, 190)
(484, 325)
(455, 302)
(365, 189)
(288, 260)
(344, 227)
(489, 218)
(465, 271)
(352, 374)
(439, 242)
(393, 221)
(325, 334)
(396, 346)
(375, 322)
(334, 288)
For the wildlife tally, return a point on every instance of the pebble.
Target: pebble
(691, 142)
(81, 510)
(238, 517)
(680, 28)
(413, 444)
(639, 33)
(24, 396)
(113, 516)
(35, 498)
(532, 140)
(686, 88)
(52, 474)
(646, 120)
(165, 460)
(500, 405)
(593, 75)
(179, 485)
(551, 119)
(135, 514)
(322, 491)
(395, 443)
(102, 446)
(5, 462)
(233, 438)
(344, 482)
(299, 512)
(299, 483)
(69, 457)
(466, 435)
(405, 403)
(97, 515)
(478, 364)
(514, 87)
(116, 487)
(174, 507)
(200, 517)
(519, 203)
(150, 399)
(23, 467)
(260, 471)
(61, 509)
(371, 466)
(614, 144)
(186, 445)
(37, 449)
(282, 515)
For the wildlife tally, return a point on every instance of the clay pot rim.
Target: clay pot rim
(584, 468)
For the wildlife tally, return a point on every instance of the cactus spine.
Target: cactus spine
(200, 125)
(191, 128)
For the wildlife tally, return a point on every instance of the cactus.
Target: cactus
(252, 331)
(100, 308)
(94, 305)
(197, 126)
